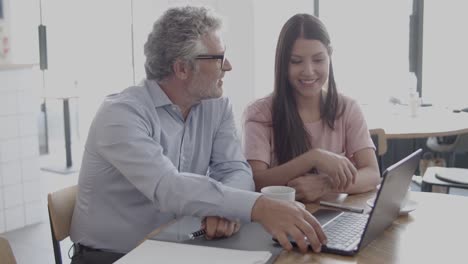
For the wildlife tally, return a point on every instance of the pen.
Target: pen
(196, 234)
(343, 207)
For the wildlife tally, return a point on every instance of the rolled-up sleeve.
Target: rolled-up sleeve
(124, 139)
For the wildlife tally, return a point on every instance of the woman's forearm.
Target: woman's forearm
(281, 175)
(367, 179)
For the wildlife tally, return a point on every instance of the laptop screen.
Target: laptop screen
(395, 183)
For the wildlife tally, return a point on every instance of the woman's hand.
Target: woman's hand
(311, 187)
(339, 168)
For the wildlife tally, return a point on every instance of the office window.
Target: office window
(371, 43)
(445, 54)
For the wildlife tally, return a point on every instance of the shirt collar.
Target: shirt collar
(159, 97)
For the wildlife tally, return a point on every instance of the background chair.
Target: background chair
(380, 141)
(6, 254)
(453, 145)
(450, 144)
(61, 205)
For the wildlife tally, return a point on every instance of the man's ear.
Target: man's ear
(181, 69)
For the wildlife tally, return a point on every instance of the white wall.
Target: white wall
(89, 53)
(20, 200)
(23, 28)
(269, 18)
(5, 52)
(239, 84)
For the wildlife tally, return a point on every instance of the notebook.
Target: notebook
(250, 237)
(152, 251)
(365, 228)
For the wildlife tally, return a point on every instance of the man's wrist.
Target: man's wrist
(257, 208)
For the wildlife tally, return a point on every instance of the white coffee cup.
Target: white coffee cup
(284, 193)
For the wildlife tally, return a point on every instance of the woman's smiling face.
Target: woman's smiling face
(308, 67)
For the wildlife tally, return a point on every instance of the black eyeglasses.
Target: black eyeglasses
(221, 57)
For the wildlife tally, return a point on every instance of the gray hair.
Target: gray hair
(177, 34)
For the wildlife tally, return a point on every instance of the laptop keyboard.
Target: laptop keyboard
(345, 230)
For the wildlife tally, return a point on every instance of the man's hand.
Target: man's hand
(311, 187)
(282, 219)
(341, 170)
(217, 227)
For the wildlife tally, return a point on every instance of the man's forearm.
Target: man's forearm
(234, 174)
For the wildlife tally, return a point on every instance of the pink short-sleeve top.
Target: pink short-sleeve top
(349, 136)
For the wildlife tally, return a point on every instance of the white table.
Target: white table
(431, 121)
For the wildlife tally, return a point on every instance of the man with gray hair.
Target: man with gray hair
(160, 150)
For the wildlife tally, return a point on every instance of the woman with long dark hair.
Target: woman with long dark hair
(305, 134)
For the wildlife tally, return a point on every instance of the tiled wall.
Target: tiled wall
(20, 199)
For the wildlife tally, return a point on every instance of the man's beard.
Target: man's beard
(203, 89)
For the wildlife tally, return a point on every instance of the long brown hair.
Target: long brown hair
(290, 136)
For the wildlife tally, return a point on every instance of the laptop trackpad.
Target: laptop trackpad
(325, 215)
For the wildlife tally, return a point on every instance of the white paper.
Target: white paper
(152, 251)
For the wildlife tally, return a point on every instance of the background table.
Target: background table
(429, 121)
(430, 180)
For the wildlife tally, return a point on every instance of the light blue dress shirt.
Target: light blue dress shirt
(143, 165)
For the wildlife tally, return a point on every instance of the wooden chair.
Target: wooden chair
(380, 140)
(61, 205)
(6, 254)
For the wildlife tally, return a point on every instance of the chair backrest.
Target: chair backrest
(454, 144)
(6, 254)
(457, 144)
(61, 205)
(380, 139)
(461, 144)
(379, 133)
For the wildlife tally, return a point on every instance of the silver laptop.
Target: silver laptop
(348, 232)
